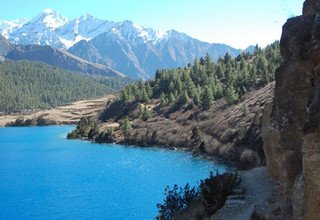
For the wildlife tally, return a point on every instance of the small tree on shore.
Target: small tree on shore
(126, 127)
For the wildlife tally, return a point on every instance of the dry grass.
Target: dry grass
(225, 130)
(69, 114)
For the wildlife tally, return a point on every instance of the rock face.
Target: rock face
(5, 46)
(291, 127)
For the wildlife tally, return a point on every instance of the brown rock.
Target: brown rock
(311, 172)
(311, 7)
(291, 130)
(298, 197)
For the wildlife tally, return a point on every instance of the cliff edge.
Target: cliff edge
(291, 127)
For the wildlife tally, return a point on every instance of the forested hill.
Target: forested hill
(212, 109)
(205, 81)
(28, 85)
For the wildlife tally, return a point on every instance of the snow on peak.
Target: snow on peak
(133, 30)
(48, 11)
(6, 27)
(53, 19)
(51, 27)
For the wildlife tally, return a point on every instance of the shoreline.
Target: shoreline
(66, 115)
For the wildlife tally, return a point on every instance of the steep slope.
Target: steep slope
(291, 128)
(40, 30)
(5, 46)
(199, 108)
(7, 27)
(139, 51)
(59, 58)
(84, 27)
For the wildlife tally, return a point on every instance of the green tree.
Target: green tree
(184, 97)
(171, 98)
(206, 98)
(144, 96)
(126, 126)
(231, 95)
(146, 114)
(163, 101)
(196, 98)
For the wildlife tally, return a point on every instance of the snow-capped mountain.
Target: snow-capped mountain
(124, 46)
(7, 27)
(139, 52)
(51, 28)
(84, 27)
(40, 30)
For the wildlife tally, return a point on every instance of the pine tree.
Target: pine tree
(231, 95)
(149, 90)
(184, 98)
(163, 101)
(144, 96)
(146, 114)
(172, 99)
(206, 98)
(126, 127)
(196, 98)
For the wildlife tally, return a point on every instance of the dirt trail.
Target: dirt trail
(68, 114)
(258, 186)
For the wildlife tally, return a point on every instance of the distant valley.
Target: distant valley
(123, 46)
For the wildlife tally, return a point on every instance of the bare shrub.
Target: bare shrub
(249, 159)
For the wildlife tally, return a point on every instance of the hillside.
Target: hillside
(55, 57)
(5, 46)
(229, 133)
(210, 109)
(66, 114)
(28, 85)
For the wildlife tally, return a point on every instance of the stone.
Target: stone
(260, 213)
(311, 7)
(298, 197)
(291, 126)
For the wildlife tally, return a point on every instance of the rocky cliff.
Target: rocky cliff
(291, 127)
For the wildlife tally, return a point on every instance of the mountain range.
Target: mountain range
(124, 46)
(53, 57)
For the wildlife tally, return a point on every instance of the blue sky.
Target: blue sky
(238, 23)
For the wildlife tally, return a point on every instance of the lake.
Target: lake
(45, 176)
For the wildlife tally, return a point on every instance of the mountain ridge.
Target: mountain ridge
(53, 57)
(124, 46)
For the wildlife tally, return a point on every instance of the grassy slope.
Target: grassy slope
(230, 133)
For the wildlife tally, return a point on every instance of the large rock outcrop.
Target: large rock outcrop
(291, 127)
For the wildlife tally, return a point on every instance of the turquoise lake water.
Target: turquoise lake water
(45, 176)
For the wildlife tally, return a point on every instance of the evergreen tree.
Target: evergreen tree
(206, 98)
(163, 101)
(144, 95)
(184, 98)
(196, 98)
(231, 95)
(146, 114)
(172, 99)
(126, 127)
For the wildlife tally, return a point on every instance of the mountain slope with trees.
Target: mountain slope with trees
(28, 85)
(204, 82)
(212, 109)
